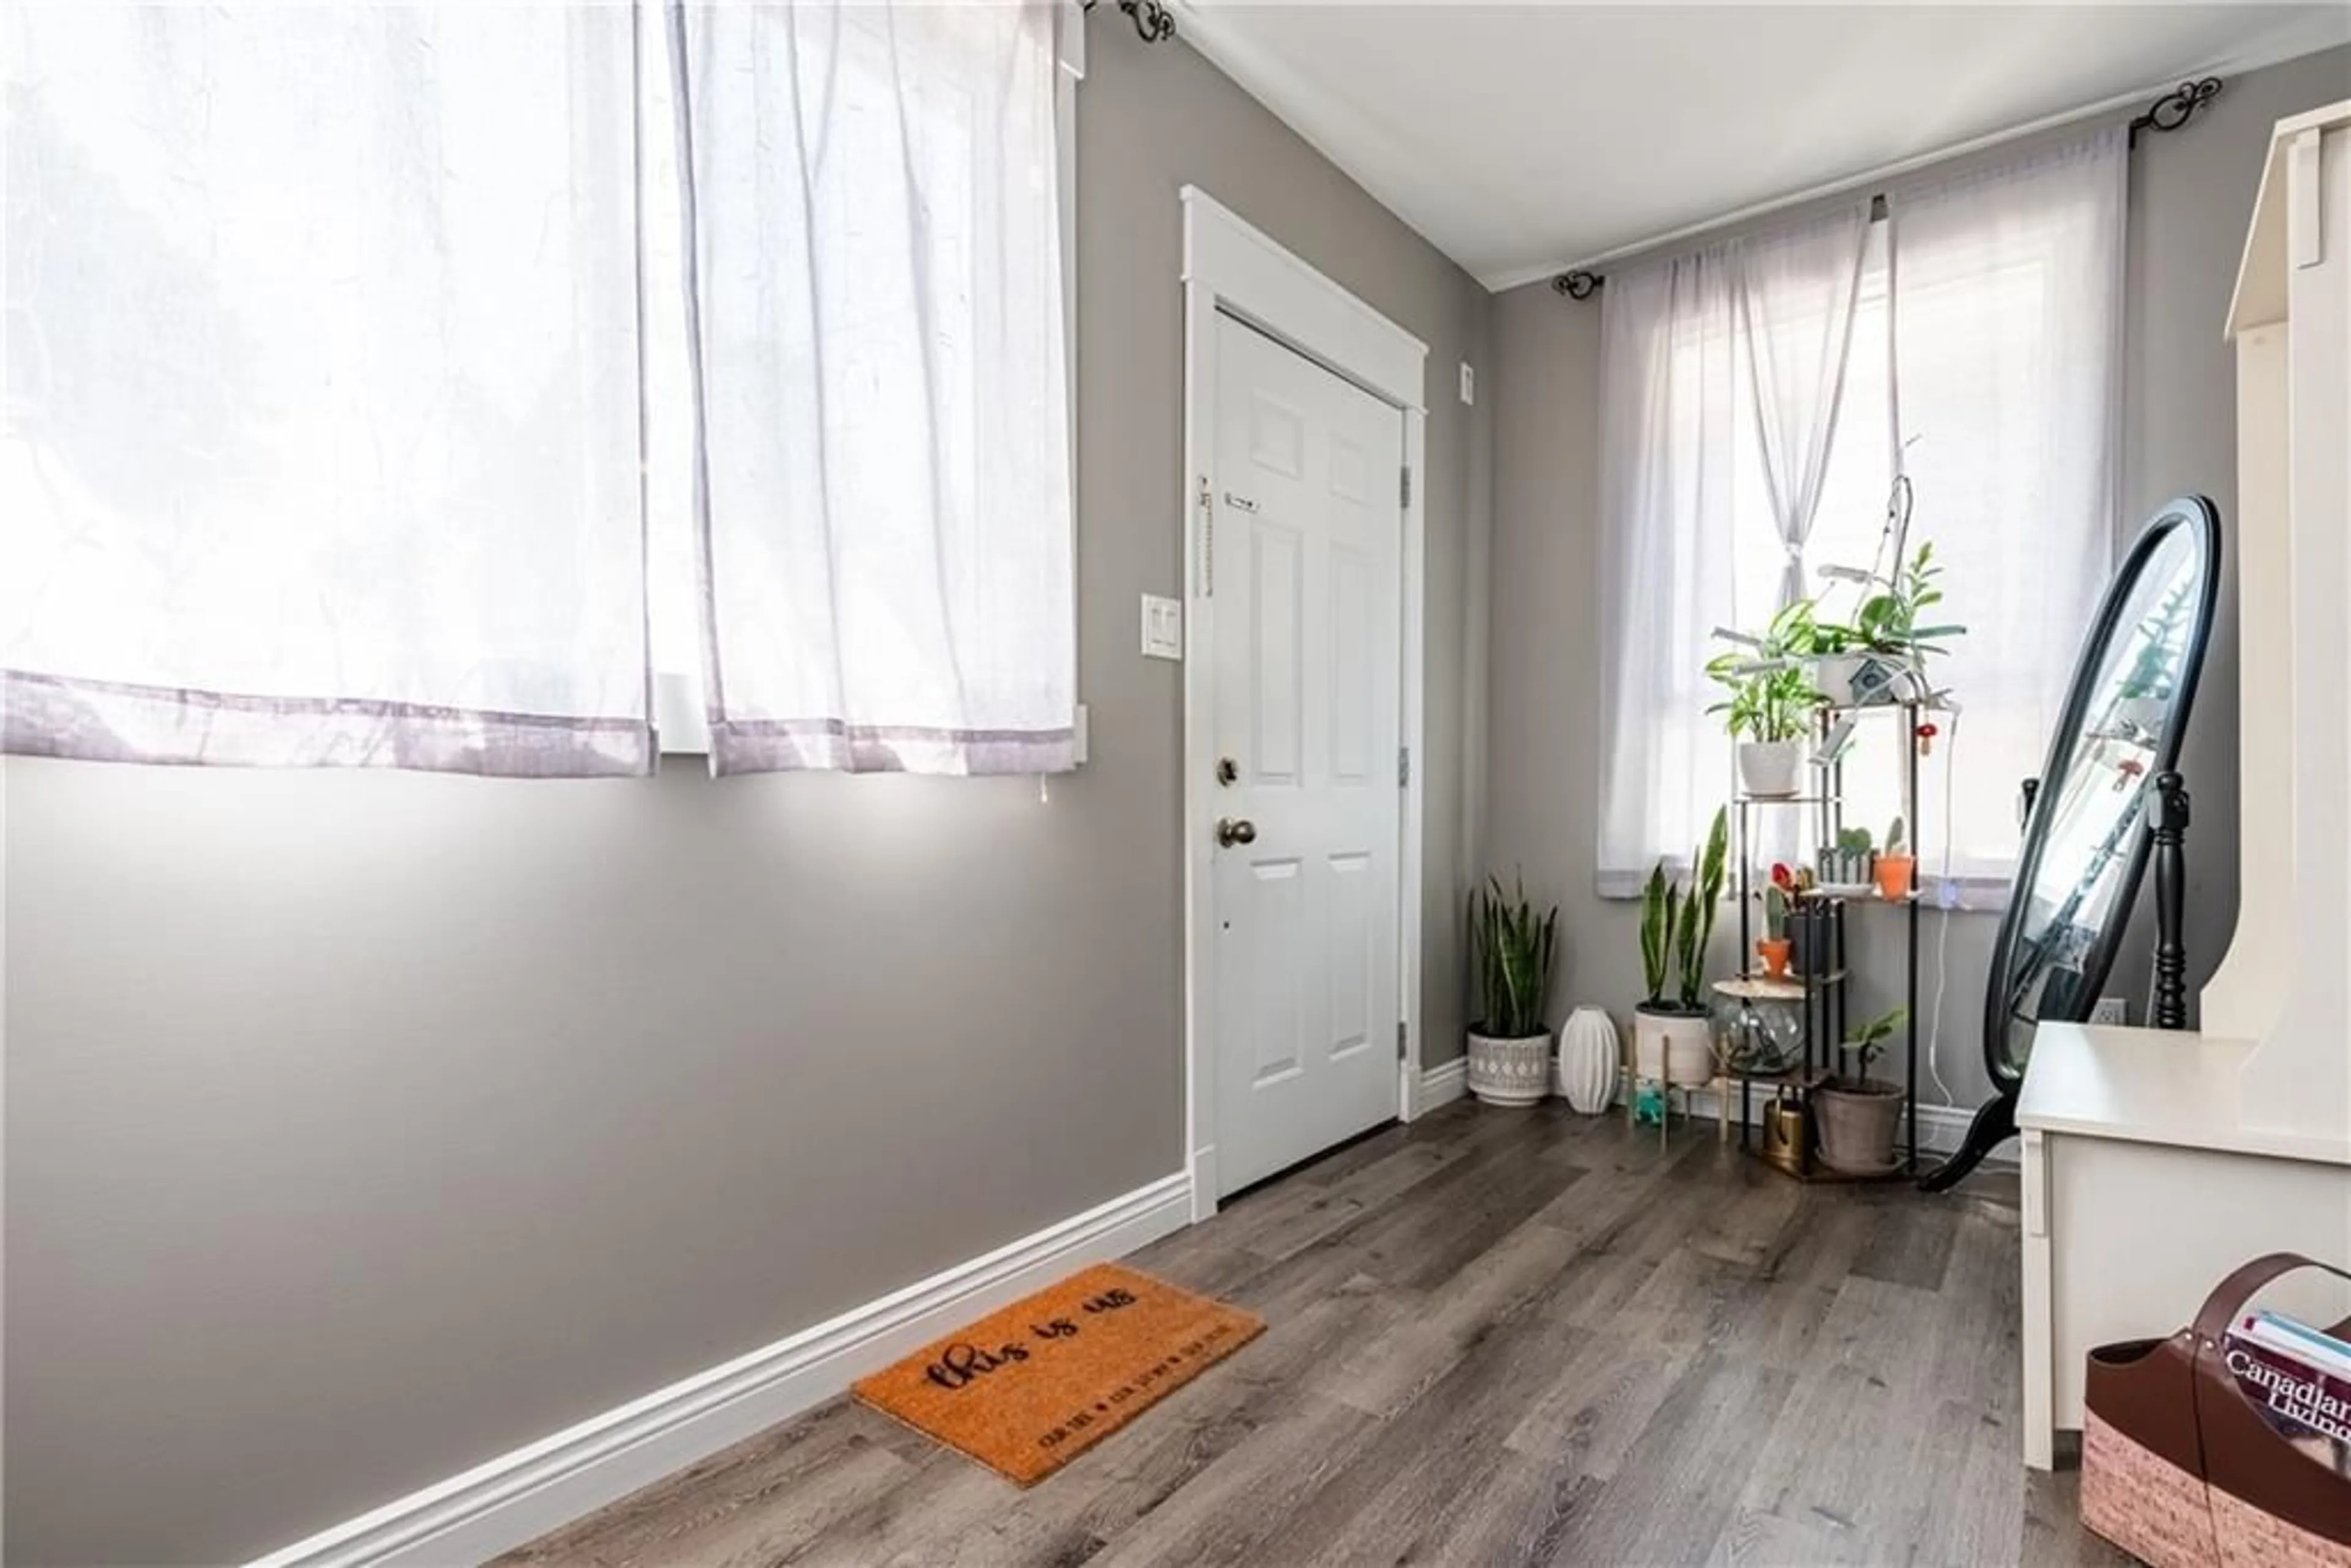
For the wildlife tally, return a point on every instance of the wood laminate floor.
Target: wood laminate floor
(1492, 1337)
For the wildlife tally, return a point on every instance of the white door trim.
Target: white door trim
(1231, 266)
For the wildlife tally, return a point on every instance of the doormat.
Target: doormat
(1028, 1387)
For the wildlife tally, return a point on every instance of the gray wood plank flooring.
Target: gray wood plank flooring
(1492, 1337)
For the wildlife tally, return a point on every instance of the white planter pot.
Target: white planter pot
(1510, 1072)
(1587, 1060)
(1770, 767)
(1673, 1048)
(1833, 675)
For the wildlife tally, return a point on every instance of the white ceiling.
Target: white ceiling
(1520, 139)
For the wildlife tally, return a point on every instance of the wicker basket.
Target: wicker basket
(2179, 1470)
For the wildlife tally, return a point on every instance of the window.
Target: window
(320, 421)
(1983, 344)
(404, 416)
(877, 352)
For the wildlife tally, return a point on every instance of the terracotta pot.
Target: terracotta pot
(1893, 874)
(1857, 1120)
(1774, 953)
(1510, 1072)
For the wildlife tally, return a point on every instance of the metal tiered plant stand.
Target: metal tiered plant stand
(1791, 1119)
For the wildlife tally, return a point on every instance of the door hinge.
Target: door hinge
(1404, 766)
(1404, 488)
(1207, 540)
(1401, 1027)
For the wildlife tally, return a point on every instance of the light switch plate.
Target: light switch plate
(1163, 627)
(1469, 383)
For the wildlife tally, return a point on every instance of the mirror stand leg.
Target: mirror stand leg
(1995, 1124)
(2170, 815)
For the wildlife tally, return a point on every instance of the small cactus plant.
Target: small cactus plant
(1895, 844)
(1775, 915)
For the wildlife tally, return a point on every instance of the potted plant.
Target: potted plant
(1772, 946)
(1771, 701)
(2144, 699)
(1671, 1041)
(1846, 865)
(1867, 662)
(1511, 950)
(1895, 865)
(1858, 1115)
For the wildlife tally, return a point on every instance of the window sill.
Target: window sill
(1979, 893)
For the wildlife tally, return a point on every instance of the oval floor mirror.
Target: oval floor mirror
(2085, 836)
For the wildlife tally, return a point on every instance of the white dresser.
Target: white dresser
(2155, 1161)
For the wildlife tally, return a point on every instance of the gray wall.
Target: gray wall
(361, 1127)
(2191, 195)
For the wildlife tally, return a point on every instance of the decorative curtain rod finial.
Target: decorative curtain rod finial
(1153, 21)
(2176, 107)
(1577, 285)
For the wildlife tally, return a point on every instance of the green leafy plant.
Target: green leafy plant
(1854, 841)
(1512, 950)
(2154, 671)
(1866, 1041)
(1889, 621)
(1895, 840)
(1775, 916)
(1677, 923)
(1770, 690)
(1660, 913)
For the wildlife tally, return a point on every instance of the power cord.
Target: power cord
(1946, 899)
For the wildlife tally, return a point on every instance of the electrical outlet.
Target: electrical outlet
(2110, 1011)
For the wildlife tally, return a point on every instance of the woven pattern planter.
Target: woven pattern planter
(1510, 1072)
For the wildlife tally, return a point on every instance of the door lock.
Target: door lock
(1231, 831)
(1229, 772)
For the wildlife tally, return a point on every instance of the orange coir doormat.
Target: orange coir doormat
(1030, 1386)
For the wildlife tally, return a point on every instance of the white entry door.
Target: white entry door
(1307, 543)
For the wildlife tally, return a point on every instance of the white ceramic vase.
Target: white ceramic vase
(1673, 1048)
(1587, 1060)
(1769, 768)
(1510, 1072)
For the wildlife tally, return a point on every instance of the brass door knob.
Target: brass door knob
(1231, 831)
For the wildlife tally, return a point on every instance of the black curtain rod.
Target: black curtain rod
(2169, 113)
(1153, 22)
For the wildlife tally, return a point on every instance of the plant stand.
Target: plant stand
(1818, 921)
(1634, 1082)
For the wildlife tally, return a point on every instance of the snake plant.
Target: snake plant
(1511, 950)
(1677, 923)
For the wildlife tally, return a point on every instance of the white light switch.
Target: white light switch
(1163, 627)
(1469, 383)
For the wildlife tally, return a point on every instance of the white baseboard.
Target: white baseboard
(1447, 1080)
(520, 1496)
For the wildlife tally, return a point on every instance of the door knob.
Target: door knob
(1231, 831)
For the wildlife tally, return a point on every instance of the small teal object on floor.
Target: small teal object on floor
(1649, 1105)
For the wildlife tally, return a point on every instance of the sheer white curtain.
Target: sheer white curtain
(1980, 339)
(2006, 317)
(320, 439)
(1721, 381)
(875, 288)
(1797, 292)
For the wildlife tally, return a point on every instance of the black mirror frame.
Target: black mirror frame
(1995, 1120)
(2185, 511)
